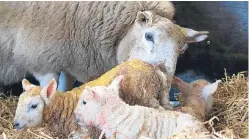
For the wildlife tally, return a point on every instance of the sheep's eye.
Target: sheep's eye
(149, 37)
(33, 106)
(84, 102)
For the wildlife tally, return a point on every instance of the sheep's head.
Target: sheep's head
(29, 112)
(156, 40)
(96, 101)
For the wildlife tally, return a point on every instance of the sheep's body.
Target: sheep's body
(78, 37)
(86, 39)
(118, 119)
(195, 101)
(142, 86)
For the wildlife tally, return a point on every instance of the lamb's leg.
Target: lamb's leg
(65, 82)
(154, 103)
(164, 99)
(164, 92)
(45, 78)
(79, 134)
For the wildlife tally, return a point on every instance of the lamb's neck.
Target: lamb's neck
(117, 113)
(61, 108)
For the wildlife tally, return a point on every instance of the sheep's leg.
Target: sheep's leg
(65, 82)
(45, 78)
(1, 89)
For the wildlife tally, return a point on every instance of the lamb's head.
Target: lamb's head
(205, 90)
(96, 101)
(156, 40)
(31, 103)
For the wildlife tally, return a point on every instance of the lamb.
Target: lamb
(142, 86)
(86, 39)
(196, 96)
(102, 107)
(35, 106)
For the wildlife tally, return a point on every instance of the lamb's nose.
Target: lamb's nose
(16, 124)
(77, 119)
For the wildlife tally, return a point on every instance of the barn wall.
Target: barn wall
(227, 23)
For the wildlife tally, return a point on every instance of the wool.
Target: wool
(142, 86)
(121, 120)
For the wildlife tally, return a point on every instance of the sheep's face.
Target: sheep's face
(156, 40)
(29, 108)
(96, 101)
(29, 112)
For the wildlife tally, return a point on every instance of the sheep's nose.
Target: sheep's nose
(16, 125)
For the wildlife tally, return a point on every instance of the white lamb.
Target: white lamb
(102, 107)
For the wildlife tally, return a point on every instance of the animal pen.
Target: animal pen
(94, 42)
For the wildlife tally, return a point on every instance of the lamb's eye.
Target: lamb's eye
(149, 37)
(33, 106)
(84, 102)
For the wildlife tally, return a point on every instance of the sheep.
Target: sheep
(144, 83)
(86, 39)
(196, 96)
(102, 107)
(38, 105)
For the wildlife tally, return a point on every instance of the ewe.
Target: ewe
(86, 39)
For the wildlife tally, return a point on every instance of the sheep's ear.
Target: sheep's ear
(116, 83)
(145, 17)
(194, 36)
(209, 89)
(48, 91)
(26, 85)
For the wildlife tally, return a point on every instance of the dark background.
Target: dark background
(227, 23)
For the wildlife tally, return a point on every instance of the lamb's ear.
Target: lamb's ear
(48, 91)
(145, 17)
(194, 36)
(26, 85)
(91, 94)
(177, 81)
(116, 83)
(209, 89)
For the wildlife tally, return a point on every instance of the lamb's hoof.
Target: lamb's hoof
(78, 135)
(167, 107)
(161, 108)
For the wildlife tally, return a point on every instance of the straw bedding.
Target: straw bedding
(230, 108)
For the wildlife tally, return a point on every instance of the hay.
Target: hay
(231, 104)
(230, 107)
